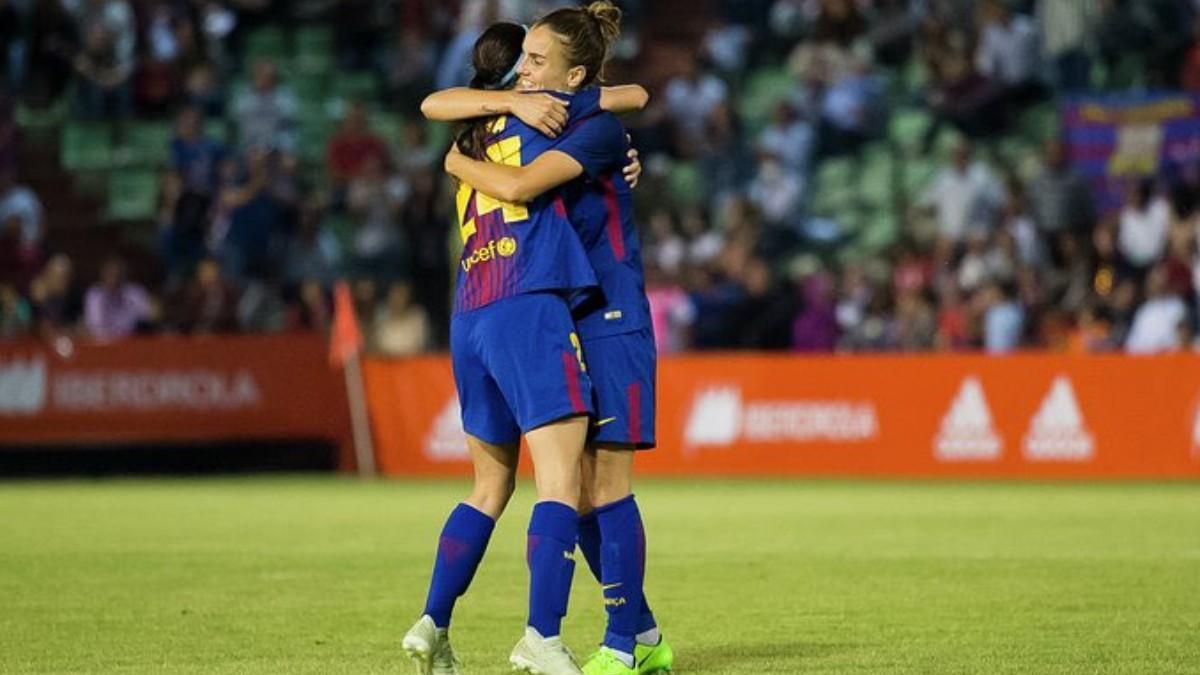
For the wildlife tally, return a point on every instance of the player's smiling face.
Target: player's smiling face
(544, 64)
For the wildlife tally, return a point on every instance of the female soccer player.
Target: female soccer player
(565, 52)
(519, 370)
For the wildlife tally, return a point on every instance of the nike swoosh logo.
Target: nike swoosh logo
(604, 421)
(607, 587)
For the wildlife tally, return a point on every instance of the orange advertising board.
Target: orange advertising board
(168, 389)
(1044, 416)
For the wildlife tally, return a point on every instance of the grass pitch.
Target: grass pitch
(323, 575)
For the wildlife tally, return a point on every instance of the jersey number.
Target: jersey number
(505, 151)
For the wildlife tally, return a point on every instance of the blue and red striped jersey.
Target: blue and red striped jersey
(520, 248)
(600, 207)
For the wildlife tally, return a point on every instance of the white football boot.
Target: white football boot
(537, 655)
(429, 648)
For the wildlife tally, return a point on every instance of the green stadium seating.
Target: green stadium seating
(360, 86)
(266, 42)
(685, 184)
(147, 144)
(217, 129)
(86, 146)
(132, 195)
(314, 52)
(906, 128)
(765, 89)
(387, 125)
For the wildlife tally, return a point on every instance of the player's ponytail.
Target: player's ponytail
(495, 58)
(587, 34)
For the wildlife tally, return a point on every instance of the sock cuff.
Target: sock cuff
(588, 518)
(619, 504)
(468, 520)
(554, 519)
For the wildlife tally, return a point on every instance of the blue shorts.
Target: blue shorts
(518, 366)
(622, 368)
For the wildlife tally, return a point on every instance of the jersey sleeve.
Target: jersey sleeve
(598, 143)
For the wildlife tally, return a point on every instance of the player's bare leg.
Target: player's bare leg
(465, 537)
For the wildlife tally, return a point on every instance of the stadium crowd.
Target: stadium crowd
(820, 175)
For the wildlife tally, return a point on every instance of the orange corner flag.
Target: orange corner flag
(346, 339)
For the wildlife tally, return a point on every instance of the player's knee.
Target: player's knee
(491, 495)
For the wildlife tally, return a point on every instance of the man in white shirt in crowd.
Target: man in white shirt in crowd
(964, 193)
(1157, 323)
(1145, 219)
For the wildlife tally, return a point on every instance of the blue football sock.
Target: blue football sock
(623, 570)
(589, 544)
(550, 553)
(460, 548)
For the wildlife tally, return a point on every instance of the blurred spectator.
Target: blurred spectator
(726, 45)
(353, 147)
(1143, 227)
(402, 327)
(1008, 53)
(815, 328)
(1189, 77)
(790, 136)
(724, 158)
(839, 22)
(1003, 318)
(15, 314)
(12, 46)
(195, 158)
(916, 324)
(208, 304)
(256, 219)
(311, 312)
(1059, 197)
(104, 89)
(953, 331)
(312, 252)
(963, 194)
(1066, 27)
(777, 193)
(266, 113)
(52, 46)
(671, 311)
(1156, 325)
(261, 307)
(408, 65)
(167, 39)
(691, 97)
(115, 307)
(375, 200)
(21, 229)
(202, 89)
(54, 298)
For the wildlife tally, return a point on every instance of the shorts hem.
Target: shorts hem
(550, 418)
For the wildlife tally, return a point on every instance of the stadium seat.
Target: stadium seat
(217, 129)
(685, 184)
(266, 42)
(907, 128)
(361, 86)
(314, 53)
(86, 146)
(765, 89)
(387, 125)
(132, 195)
(147, 144)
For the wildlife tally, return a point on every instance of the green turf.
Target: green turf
(313, 575)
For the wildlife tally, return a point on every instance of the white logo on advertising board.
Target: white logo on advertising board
(720, 416)
(446, 441)
(967, 432)
(95, 391)
(1058, 432)
(23, 386)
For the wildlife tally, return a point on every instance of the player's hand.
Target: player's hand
(452, 155)
(633, 170)
(546, 113)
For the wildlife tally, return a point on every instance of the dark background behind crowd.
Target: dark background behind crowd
(820, 175)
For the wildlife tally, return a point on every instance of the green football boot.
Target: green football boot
(605, 662)
(654, 659)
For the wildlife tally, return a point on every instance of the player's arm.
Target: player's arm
(542, 111)
(516, 184)
(624, 98)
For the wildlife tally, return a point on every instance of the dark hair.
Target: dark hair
(495, 54)
(589, 32)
